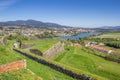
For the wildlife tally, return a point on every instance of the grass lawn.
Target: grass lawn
(79, 59)
(22, 74)
(8, 55)
(42, 45)
(110, 35)
(1, 37)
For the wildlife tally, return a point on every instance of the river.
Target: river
(81, 35)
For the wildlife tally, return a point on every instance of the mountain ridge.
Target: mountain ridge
(31, 22)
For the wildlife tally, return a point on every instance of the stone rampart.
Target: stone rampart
(54, 50)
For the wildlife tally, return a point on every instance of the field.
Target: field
(110, 35)
(42, 45)
(8, 55)
(79, 59)
(0, 37)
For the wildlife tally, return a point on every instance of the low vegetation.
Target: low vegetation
(110, 35)
(77, 58)
(22, 74)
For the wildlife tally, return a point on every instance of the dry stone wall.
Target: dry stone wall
(57, 67)
(13, 66)
(55, 50)
(25, 45)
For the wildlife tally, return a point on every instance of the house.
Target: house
(77, 45)
(15, 45)
(101, 49)
(87, 44)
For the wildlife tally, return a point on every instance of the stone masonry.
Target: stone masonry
(54, 51)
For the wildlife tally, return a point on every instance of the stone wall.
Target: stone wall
(36, 51)
(59, 68)
(26, 45)
(13, 66)
(55, 50)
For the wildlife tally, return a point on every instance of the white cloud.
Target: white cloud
(6, 3)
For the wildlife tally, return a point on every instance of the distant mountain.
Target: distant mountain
(33, 23)
(110, 27)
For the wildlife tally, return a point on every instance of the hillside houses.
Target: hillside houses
(101, 49)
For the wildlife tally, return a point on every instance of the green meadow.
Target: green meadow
(77, 58)
(110, 35)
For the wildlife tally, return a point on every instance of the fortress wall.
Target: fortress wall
(54, 51)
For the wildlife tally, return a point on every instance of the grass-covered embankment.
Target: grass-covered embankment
(42, 45)
(77, 58)
(22, 74)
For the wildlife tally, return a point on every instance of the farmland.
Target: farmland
(110, 35)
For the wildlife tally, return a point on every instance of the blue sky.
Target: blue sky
(79, 13)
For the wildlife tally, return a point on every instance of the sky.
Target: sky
(76, 13)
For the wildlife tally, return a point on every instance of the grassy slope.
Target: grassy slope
(8, 55)
(84, 61)
(42, 45)
(22, 74)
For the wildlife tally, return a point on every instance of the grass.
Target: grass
(22, 74)
(78, 71)
(42, 45)
(79, 59)
(8, 55)
(1, 37)
(110, 35)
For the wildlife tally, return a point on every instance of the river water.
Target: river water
(81, 35)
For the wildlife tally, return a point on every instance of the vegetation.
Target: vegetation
(110, 35)
(78, 71)
(115, 56)
(42, 45)
(22, 74)
(8, 55)
(82, 60)
(46, 35)
(115, 44)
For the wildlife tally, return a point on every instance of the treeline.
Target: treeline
(113, 44)
(104, 40)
